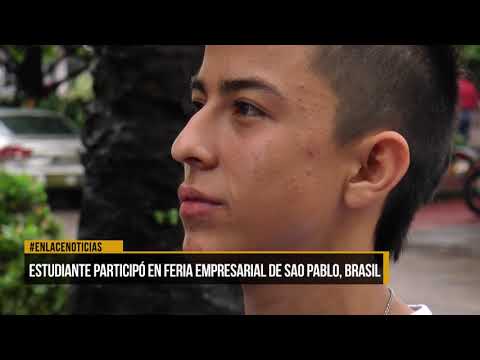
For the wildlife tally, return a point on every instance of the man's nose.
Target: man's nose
(194, 146)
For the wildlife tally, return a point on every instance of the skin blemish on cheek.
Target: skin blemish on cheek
(310, 150)
(294, 187)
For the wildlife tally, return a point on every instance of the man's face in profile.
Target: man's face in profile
(262, 169)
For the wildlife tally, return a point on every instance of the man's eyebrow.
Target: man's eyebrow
(198, 84)
(235, 85)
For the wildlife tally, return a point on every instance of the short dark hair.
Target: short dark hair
(411, 89)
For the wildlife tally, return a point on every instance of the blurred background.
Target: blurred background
(85, 136)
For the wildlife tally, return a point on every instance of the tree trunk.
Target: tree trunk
(141, 106)
(30, 75)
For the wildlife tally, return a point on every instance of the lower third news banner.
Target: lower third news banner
(106, 262)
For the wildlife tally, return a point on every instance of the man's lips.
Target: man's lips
(190, 194)
(195, 203)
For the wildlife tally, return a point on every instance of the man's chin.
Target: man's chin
(189, 244)
(202, 243)
(190, 248)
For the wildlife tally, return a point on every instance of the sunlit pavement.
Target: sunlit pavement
(69, 220)
(441, 264)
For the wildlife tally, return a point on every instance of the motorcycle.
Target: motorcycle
(465, 165)
(463, 161)
(472, 189)
(464, 175)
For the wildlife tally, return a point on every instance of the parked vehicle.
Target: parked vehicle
(42, 144)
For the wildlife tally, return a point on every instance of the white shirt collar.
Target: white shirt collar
(420, 310)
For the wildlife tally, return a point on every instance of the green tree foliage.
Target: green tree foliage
(470, 59)
(25, 215)
(31, 68)
(31, 72)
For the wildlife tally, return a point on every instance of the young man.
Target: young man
(328, 147)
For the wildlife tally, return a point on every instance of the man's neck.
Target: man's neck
(320, 300)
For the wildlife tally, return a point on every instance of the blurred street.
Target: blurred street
(441, 264)
(69, 220)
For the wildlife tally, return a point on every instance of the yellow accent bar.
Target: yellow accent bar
(386, 268)
(259, 252)
(73, 247)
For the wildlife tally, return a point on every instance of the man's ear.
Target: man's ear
(380, 162)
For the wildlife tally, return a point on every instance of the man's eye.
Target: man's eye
(246, 109)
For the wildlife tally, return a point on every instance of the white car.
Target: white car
(42, 144)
